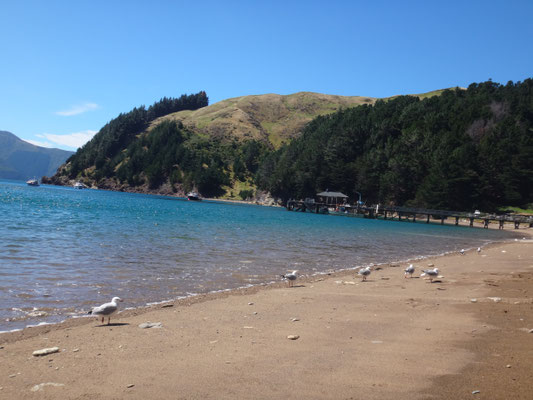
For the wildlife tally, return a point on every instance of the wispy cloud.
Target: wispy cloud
(73, 140)
(40, 144)
(78, 109)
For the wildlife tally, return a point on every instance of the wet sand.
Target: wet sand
(389, 337)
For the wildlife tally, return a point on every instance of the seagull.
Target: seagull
(409, 270)
(478, 250)
(364, 272)
(106, 310)
(432, 273)
(290, 277)
(462, 252)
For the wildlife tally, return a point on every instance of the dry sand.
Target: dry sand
(387, 338)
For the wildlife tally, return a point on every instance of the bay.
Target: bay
(64, 250)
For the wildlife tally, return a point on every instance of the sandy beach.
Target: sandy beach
(389, 337)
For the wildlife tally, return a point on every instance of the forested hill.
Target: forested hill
(458, 149)
(462, 150)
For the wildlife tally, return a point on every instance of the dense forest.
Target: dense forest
(462, 150)
(105, 150)
(465, 149)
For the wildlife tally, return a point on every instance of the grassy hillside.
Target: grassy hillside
(269, 118)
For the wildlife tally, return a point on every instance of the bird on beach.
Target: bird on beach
(432, 273)
(462, 252)
(290, 277)
(106, 310)
(364, 272)
(409, 270)
(478, 250)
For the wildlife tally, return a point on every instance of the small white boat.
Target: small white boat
(193, 196)
(79, 185)
(32, 182)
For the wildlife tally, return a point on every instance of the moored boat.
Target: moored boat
(193, 196)
(32, 182)
(79, 185)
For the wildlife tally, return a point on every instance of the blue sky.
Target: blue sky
(68, 67)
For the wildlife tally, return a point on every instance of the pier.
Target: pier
(406, 214)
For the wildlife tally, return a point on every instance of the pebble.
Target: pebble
(130, 385)
(508, 366)
(40, 386)
(495, 299)
(431, 265)
(247, 327)
(377, 341)
(295, 319)
(255, 312)
(250, 304)
(147, 325)
(75, 350)
(531, 331)
(12, 375)
(293, 337)
(473, 300)
(476, 392)
(167, 305)
(44, 352)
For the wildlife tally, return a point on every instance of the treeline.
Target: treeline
(104, 151)
(463, 150)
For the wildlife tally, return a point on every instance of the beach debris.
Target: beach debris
(255, 313)
(384, 278)
(130, 385)
(495, 299)
(44, 352)
(531, 331)
(37, 313)
(148, 325)
(290, 277)
(106, 310)
(295, 319)
(410, 270)
(40, 386)
(377, 341)
(13, 375)
(247, 327)
(504, 251)
(293, 337)
(431, 265)
(473, 300)
(476, 392)
(75, 350)
(167, 305)
(213, 341)
(441, 288)
(508, 366)
(364, 272)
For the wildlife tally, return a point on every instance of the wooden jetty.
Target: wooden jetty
(403, 213)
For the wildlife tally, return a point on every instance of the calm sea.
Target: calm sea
(64, 250)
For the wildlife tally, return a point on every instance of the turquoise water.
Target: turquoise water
(64, 250)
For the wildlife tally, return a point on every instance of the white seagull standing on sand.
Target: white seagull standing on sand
(462, 252)
(106, 310)
(409, 270)
(478, 250)
(364, 272)
(432, 273)
(290, 277)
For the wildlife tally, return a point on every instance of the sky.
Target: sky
(69, 67)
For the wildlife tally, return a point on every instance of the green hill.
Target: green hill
(269, 118)
(454, 148)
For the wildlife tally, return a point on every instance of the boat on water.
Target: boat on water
(32, 182)
(193, 196)
(79, 185)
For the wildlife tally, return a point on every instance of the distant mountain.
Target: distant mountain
(21, 160)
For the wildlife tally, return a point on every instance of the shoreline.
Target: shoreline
(388, 337)
(252, 288)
